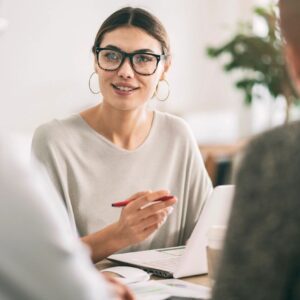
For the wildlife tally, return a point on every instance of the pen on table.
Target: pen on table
(125, 202)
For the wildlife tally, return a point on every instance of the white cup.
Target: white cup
(215, 240)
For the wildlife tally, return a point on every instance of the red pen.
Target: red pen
(125, 202)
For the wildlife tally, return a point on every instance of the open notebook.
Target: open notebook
(186, 260)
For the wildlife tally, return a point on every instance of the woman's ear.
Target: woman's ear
(95, 64)
(168, 63)
(166, 68)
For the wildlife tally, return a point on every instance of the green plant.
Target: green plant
(261, 57)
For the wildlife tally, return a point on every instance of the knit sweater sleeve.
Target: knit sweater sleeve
(198, 185)
(261, 253)
(45, 152)
(198, 191)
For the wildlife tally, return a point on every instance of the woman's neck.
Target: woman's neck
(126, 129)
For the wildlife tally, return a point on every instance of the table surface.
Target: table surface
(200, 279)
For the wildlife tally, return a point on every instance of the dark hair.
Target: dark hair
(290, 21)
(136, 17)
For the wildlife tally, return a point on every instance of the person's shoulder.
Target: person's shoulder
(55, 130)
(280, 139)
(46, 133)
(274, 151)
(173, 123)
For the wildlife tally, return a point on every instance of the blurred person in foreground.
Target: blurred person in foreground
(40, 258)
(261, 257)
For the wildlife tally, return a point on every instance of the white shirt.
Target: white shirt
(40, 258)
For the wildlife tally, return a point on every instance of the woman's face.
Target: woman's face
(124, 89)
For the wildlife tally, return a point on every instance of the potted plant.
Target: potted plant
(260, 57)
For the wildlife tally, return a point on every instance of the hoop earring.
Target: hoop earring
(168, 91)
(90, 84)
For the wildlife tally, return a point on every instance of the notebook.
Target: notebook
(189, 260)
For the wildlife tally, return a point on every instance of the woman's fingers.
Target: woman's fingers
(143, 213)
(158, 218)
(153, 219)
(148, 231)
(145, 199)
(155, 208)
(138, 195)
(136, 212)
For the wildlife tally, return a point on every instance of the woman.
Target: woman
(119, 147)
(262, 251)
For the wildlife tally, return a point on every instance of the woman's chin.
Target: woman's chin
(126, 105)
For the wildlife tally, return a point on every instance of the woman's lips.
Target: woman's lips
(124, 89)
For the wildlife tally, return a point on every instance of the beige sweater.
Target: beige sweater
(90, 173)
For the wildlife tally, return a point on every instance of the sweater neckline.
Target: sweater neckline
(114, 146)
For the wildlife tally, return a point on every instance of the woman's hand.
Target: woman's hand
(142, 216)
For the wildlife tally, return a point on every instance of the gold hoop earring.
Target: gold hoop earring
(158, 87)
(92, 91)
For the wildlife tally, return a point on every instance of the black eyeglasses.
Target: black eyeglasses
(143, 63)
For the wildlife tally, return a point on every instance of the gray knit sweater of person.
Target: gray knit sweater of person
(261, 258)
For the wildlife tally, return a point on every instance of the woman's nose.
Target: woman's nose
(126, 70)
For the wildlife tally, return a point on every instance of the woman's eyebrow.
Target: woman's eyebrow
(136, 51)
(112, 47)
(143, 51)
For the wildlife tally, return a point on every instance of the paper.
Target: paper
(150, 290)
(162, 289)
(187, 289)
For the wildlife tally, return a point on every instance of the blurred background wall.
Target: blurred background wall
(46, 61)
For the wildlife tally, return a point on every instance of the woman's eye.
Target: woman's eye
(111, 56)
(142, 58)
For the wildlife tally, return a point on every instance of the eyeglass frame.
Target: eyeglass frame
(158, 57)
